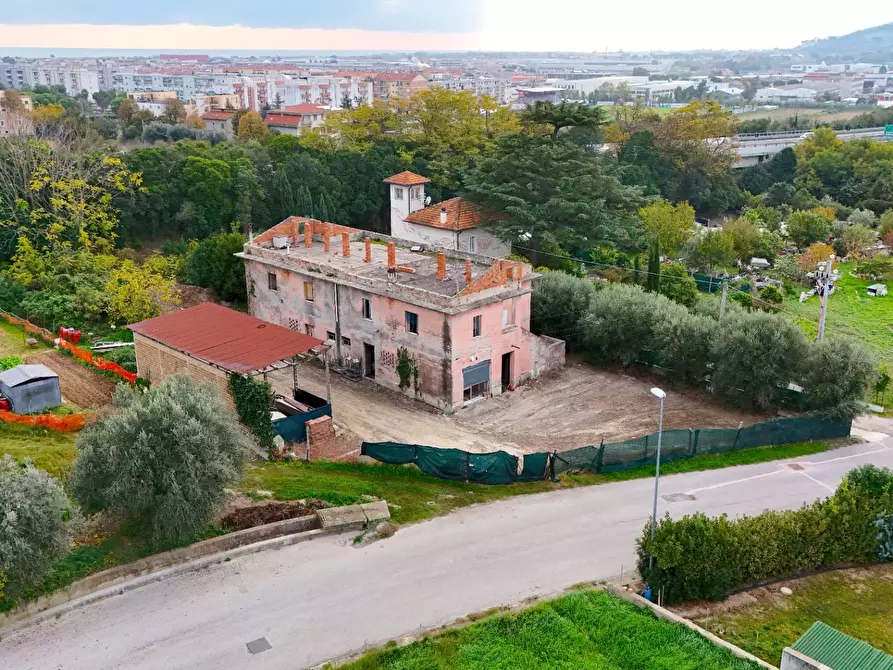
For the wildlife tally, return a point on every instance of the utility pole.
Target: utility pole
(823, 277)
(722, 301)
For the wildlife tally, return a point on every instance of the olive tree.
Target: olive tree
(161, 462)
(755, 354)
(840, 374)
(37, 523)
(621, 323)
(557, 305)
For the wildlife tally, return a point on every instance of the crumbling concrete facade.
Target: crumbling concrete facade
(455, 325)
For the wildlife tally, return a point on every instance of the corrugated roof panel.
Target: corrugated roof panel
(232, 340)
(22, 374)
(840, 651)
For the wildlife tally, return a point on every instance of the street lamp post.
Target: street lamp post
(657, 393)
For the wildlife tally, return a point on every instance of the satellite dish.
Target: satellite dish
(427, 201)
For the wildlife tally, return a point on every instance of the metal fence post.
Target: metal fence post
(694, 449)
(600, 459)
(646, 446)
(737, 433)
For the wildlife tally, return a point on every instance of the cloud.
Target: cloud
(214, 38)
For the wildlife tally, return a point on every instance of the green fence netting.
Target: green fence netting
(499, 467)
(707, 283)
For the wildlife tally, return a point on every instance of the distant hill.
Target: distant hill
(872, 45)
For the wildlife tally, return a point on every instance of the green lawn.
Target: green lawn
(50, 450)
(584, 629)
(851, 313)
(858, 602)
(12, 341)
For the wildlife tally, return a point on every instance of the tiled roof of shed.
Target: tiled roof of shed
(224, 337)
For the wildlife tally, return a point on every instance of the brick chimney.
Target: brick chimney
(441, 266)
(368, 258)
(308, 234)
(392, 256)
(467, 271)
(345, 244)
(326, 241)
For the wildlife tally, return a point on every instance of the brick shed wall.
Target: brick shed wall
(156, 362)
(324, 446)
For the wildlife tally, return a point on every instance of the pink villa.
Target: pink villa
(457, 324)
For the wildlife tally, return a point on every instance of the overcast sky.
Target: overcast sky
(579, 25)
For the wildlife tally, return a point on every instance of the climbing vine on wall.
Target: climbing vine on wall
(407, 370)
(253, 398)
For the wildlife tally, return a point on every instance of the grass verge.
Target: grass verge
(50, 450)
(12, 341)
(857, 601)
(415, 496)
(584, 629)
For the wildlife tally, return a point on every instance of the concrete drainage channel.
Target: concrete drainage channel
(119, 579)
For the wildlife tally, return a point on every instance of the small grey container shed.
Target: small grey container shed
(31, 388)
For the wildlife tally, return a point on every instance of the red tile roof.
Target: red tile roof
(226, 338)
(306, 108)
(219, 115)
(396, 76)
(278, 119)
(407, 178)
(461, 215)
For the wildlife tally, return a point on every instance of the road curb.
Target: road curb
(131, 576)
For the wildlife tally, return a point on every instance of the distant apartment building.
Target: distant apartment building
(499, 90)
(457, 325)
(296, 119)
(220, 121)
(186, 86)
(330, 91)
(453, 224)
(793, 93)
(28, 75)
(397, 85)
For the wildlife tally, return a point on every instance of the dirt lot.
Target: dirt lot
(584, 405)
(579, 407)
(80, 385)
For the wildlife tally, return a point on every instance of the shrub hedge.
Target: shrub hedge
(698, 557)
(747, 358)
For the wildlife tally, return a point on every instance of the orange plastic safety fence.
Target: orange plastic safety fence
(51, 421)
(97, 362)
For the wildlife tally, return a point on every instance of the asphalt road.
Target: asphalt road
(318, 600)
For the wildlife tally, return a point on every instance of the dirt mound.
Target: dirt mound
(269, 512)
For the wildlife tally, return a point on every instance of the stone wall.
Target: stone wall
(794, 660)
(156, 362)
(548, 354)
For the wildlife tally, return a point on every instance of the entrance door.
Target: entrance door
(369, 360)
(506, 371)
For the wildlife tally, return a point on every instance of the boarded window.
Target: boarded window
(367, 308)
(272, 282)
(476, 326)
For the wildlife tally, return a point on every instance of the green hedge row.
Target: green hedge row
(746, 358)
(699, 557)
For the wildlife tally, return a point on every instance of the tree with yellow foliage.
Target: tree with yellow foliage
(194, 121)
(671, 225)
(815, 254)
(136, 293)
(47, 115)
(251, 127)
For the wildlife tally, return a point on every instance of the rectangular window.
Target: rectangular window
(472, 243)
(367, 309)
(345, 341)
(272, 283)
(412, 323)
(508, 313)
(476, 326)
(308, 291)
(308, 328)
(476, 390)
(398, 193)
